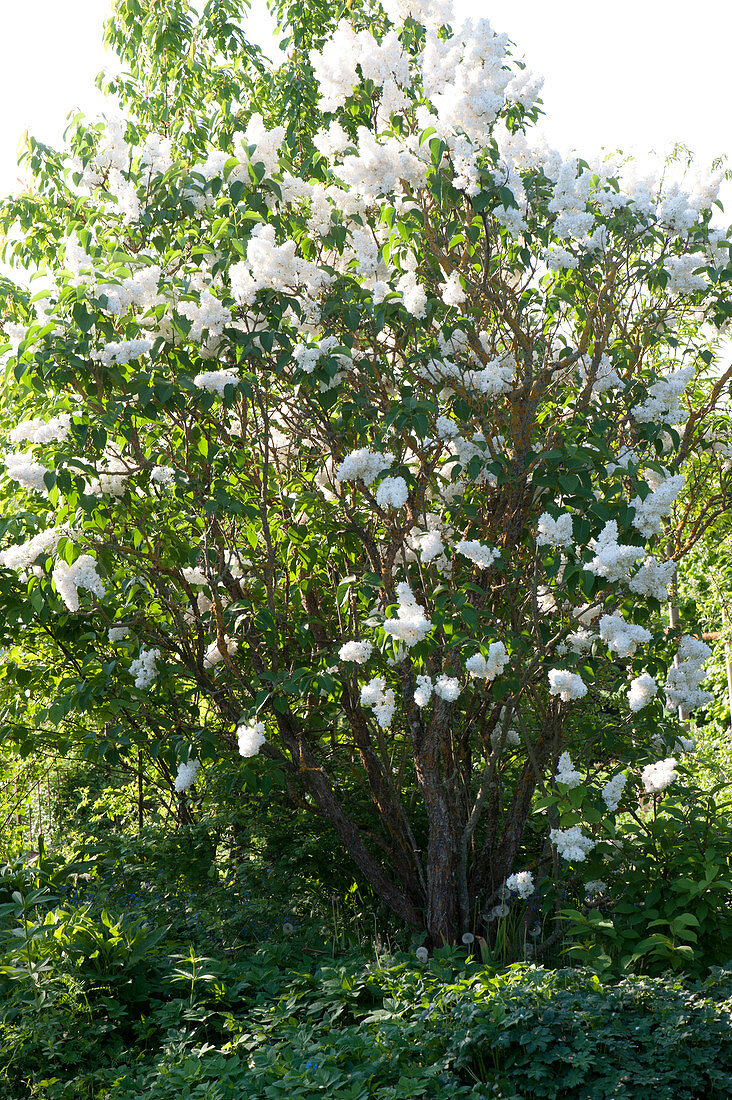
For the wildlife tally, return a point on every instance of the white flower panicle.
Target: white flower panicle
(144, 668)
(213, 655)
(613, 561)
(37, 430)
(487, 668)
(358, 652)
(682, 682)
(82, 573)
(483, 556)
(380, 699)
(663, 402)
(555, 532)
(216, 381)
(23, 556)
(612, 792)
(448, 688)
(123, 351)
(650, 513)
(572, 844)
(411, 625)
(521, 883)
(567, 773)
(653, 578)
(23, 468)
(250, 738)
(657, 777)
(392, 493)
(621, 636)
(642, 691)
(186, 775)
(163, 475)
(567, 685)
(423, 691)
(363, 465)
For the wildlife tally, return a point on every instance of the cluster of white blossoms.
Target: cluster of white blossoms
(37, 430)
(643, 690)
(186, 775)
(650, 513)
(682, 682)
(358, 652)
(621, 636)
(26, 470)
(567, 773)
(163, 475)
(483, 556)
(448, 688)
(521, 883)
(572, 844)
(423, 690)
(555, 532)
(144, 668)
(380, 699)
(487, 668)
(123, 351)
(250, 738)
(613, 560)
(567, 685)
(657, 777)
(392, 493)
(363, 465)
(213, 655)
(82, 573)
(216, 381)
(411, 625)
(612, 792)
(653, 578)
(207, 314)
(663, 401)
(272, 266)
(24, 555)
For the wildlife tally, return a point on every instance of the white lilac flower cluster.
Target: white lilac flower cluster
(650, 513)
(37, 430)
(213, 655)
(363, 465)
(663, 401)
(423, 690)
(26, 470)
(380, 699)
(250, 738)
(448, 688)
(621, 636)
(82, 573)
(216, 381)
(555, 532)
(567, 773)
(392, 493)
(23, 555)
(572, 844)
(272, 266)
(186, 775)
(358, 652)
(612, 792)
(642, 691)
(653, 578)
(657, 777)
(487, 668)
(144, 668)
(483, 556)
(206, 314)
(411, 625)
(613, 561)
(123, 351)
(567, 685)
(682, 681)
(521, 883)
(163, 475)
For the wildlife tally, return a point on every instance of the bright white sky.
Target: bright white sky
(633, 74)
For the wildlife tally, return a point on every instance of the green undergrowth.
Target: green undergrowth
(291, 1020)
